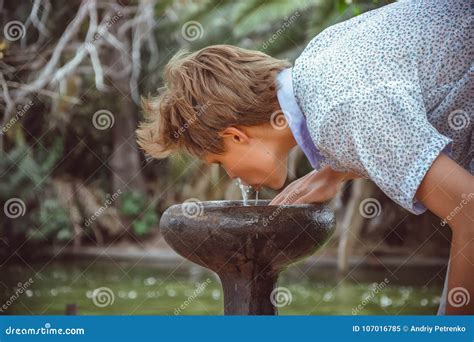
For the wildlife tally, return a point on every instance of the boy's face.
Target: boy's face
(256, 155)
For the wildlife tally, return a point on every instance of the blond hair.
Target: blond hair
(204, 93)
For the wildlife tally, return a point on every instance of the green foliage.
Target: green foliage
(25, 171)
(144, 224)
(253, 17)
(26, 177)
(136, 206)
(132, 203)
(54, 222)
(251, 23)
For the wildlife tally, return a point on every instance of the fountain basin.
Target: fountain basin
(246, 245)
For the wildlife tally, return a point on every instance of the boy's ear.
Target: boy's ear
(235, 135)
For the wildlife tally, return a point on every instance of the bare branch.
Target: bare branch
(39, 24)
(10, 104)
(45, 75)
(49, 93)
(99, 75)
(127, 29)
(6, 95)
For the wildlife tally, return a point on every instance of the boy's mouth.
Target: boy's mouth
(256, 187)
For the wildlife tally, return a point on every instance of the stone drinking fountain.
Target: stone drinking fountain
(247, 245)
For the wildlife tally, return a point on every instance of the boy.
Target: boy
(387, 96)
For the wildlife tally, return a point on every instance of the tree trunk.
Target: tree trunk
(125, 160)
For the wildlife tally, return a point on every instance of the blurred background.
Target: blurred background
(81, 204)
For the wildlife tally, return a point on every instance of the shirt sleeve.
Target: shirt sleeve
(383, 134)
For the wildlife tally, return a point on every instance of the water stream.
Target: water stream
(245, 190)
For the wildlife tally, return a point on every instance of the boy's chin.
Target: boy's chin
(277, 184)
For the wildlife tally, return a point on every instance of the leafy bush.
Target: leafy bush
(54, 222)
(136, 206)
(26, 180)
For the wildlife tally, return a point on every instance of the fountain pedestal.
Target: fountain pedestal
(247, 245)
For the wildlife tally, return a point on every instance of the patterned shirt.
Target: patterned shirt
(295, 118)
(384, 93)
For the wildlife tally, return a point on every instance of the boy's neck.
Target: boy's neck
(283, 139)
(288, 139)
(280, 140)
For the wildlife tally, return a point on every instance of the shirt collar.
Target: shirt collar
(295, 117)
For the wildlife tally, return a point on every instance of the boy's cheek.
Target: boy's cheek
(276, 180)
(273, 174)
(260, 169)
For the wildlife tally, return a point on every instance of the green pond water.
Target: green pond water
(145, 289)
